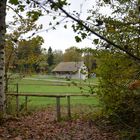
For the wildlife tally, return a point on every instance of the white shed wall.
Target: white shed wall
(77, 75)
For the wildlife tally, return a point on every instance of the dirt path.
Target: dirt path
(42, 125)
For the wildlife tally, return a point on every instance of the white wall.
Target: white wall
(78, 75)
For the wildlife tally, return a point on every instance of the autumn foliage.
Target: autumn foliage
(134, 85)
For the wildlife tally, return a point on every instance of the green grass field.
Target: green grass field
(40, 85)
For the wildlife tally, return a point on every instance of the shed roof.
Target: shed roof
(68, 66)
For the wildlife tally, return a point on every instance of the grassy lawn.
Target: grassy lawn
(38, 102)
(51, 77)
(40, 86)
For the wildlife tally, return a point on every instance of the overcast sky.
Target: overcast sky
(61, 39)
(64, 38)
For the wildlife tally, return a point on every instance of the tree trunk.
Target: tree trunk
(2, 55)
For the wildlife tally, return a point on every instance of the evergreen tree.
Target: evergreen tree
(50, 58)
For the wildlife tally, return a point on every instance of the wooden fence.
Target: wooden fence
(57, 96)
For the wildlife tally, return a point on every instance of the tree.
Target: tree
(121, 26)
(50, 58)
(19, 7)
(42, 64)
(2, 54)
(90, 59)
(120, 30)
(58, 56)
(120, 104)
(72, 54)
(28, 54)
(13, 37)
(10, 59)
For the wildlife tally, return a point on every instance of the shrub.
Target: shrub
(119, 103)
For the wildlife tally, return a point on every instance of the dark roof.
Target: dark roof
(68, 66)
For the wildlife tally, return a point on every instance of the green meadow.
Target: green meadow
(39, 85)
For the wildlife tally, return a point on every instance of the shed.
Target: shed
(74, 70)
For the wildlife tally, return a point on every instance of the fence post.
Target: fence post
(26, 100)
(17, 100)
(58, 113)
(17, 88)
(69, 107)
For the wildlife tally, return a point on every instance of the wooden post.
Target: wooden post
(58, 113)
(26, 100)
(17, 104)
(17, 88)
(69, 107)
(17, 100)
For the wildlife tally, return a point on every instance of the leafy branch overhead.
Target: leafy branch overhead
(15, 2)
(107, 28)
(90, 29)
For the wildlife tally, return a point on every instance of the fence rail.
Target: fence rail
(59, 84)
(58, 96)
